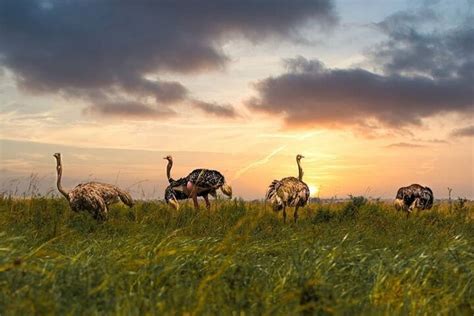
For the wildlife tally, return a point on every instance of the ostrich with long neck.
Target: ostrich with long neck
(300, 170)
(200, 182)
(93, 197)
(289, 192)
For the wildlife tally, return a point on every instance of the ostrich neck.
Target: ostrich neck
(59, 169)
(168, 169)
(300, 171)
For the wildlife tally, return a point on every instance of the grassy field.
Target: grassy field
(357, 257)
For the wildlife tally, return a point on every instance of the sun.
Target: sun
(313, 189)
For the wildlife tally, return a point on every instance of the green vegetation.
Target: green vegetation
(359, 257)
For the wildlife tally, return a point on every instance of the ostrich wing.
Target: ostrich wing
(85, 197)
(206, 179)
(111, 193)
(288, 191)
(293, 191)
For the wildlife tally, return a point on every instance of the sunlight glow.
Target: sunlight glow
(313, 190)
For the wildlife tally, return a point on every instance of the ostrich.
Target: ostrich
(414, 196)
(175, 191)
(289, 192)
(200, 182)
(93, 197)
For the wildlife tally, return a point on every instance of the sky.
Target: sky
(375, 94)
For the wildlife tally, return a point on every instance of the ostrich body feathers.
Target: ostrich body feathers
(415, 196)
(94, 197)
(206, 182)
(288, 191)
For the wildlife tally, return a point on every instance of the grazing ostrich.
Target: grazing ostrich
(414, 196)
(200, 182)
(93, 197)
(289, 192)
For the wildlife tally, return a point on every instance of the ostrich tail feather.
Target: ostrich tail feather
(125, 197)
(272, 195)
(272, 189)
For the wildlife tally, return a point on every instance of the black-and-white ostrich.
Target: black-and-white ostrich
(289, 192)
(92, 197)
(200, 182)
(412, 197)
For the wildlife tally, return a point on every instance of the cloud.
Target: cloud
(432, 141)
(215, 109)
(467, 131)
(310, 94)
(404, 145)
(437, 54)
(97, 49)
(424, 72)
(128, 109)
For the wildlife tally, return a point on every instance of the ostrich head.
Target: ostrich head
(169, 158)
(58, 158)
(174, 204)
(227, 190)
(399, 204)
(170, 198)
(300, 170)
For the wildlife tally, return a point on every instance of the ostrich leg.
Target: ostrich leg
(193, 193)
(296, 213)
(208, 204)
(102, 212)
(105, 213)
(412, 206)
(284, 214)
(195, 200)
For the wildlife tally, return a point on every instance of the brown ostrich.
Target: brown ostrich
(289, 192)
(93, 197)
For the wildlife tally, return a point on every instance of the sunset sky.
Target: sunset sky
(375, 94)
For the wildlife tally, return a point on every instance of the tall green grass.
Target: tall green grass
(357, 257)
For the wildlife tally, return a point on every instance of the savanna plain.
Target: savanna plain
(352, 257)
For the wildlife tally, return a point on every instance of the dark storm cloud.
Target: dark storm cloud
(467, 131)
(215, 109)
(423, 74)
(84, 48)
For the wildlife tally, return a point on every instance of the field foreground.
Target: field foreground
(357, 257)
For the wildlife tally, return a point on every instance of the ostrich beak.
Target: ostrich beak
(398, 203)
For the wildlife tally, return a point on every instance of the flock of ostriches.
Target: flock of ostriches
(95, 197)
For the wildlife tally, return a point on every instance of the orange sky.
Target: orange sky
(366, 123)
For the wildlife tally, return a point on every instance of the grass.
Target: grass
(357, 257)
